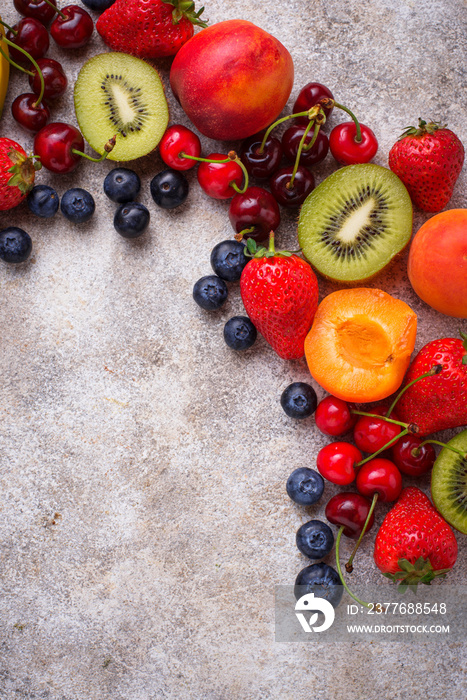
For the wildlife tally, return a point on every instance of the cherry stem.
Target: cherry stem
(239, 236)
(438, 442)
(385, 447)
(409, 427)
(436, 369)
(10, 29)
(358, 135)
(231, 156)
(29, 72)
(348, 566)
(339, 570)
(289, 185)
(107, 148)
(313, 113)
(62, 15)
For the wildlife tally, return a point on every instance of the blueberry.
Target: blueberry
(98, 5)
(239, 333)
(169, 189)
(210, 292)
(315, 539)
(305, 486)
(322, 580)
(228, 260)
(77, 205)
(131, 219)
(43, 201)
(15, 245)
(299, 400)
(122, 185)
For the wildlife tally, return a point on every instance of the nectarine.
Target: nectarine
(232, 79)
(437, 266)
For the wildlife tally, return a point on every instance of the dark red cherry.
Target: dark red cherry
(38, 9)
(412, 457)
(261, 164)
(291, 141)
(350, 510)
(291, 196)
(308, 97)
(256, 208)
(27, 114)
(74, 30)
(54, 78)
(54, 145)
(32, 36)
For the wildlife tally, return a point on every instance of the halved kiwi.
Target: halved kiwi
(118, 94)
(354, 223)
(449, 483)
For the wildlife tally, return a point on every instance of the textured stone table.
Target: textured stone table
(143, 517)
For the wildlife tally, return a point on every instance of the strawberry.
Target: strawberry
(149, 28)
(428, 160)
(414, 543)
(280, 294)
(440, 401)
(17, 173)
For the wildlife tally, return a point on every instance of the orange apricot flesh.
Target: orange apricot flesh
(360, 343)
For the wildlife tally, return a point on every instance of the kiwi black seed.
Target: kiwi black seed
(118, 94)
(354, 223)
(449, 482)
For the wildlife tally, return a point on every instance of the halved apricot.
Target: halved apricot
(360, 343)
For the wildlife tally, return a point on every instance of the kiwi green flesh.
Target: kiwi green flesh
(449, 483)
(118, 94)
(354, 223)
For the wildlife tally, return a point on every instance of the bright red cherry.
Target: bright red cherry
(412, 457)
(38, 9)
(72, 28)
(255, 208)
(291, 142)
(291, 196)
(333, 416)
(308, 97)
(27, 114)
(54, 145)
(380, 476)
(261, 163)
(351, 511)
(30, 35)
(336, 462)
(346, 149)
(176, 140)
(54, 78)
(372, 434)
(216, 178)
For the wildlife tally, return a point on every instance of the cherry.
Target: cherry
(59, 147)
(291, 195)
(72, 28)
(336, 462)
(291, 142)
(346, 146)
(308, 97)
(54, 78)
(412, 457)
(261, 162)
(333, 416)
(254, 213)
(380, 476)
(177, 140)
(31, 36)
(350, 511)
(28, 113)
(372, 433)
(216, 178)
(38, 9)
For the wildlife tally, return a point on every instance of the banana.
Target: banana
(4, 70)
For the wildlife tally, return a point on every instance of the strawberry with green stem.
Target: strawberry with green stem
(17, 173)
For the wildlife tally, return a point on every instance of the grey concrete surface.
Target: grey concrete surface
(143, 517)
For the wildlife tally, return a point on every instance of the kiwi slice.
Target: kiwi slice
(118, 94)
(449, 483)
(355, 222)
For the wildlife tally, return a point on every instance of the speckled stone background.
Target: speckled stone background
(143, 515)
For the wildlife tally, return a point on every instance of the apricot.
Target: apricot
(437, 265)
(360, 343)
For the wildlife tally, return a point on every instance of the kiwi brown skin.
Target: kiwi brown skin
(449, 475)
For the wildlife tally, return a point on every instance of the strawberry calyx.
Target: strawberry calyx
(422, 128)
(464, 345)
(186, 8)
(22, 171)
(252, 250)
(410, 575)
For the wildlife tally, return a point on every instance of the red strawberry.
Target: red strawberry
(414, 543)
(280, 294)
(428, 160)
(17, 173)
(149, 28)
(437, 402)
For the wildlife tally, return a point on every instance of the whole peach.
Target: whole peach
(437, 266)
(232, 79)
